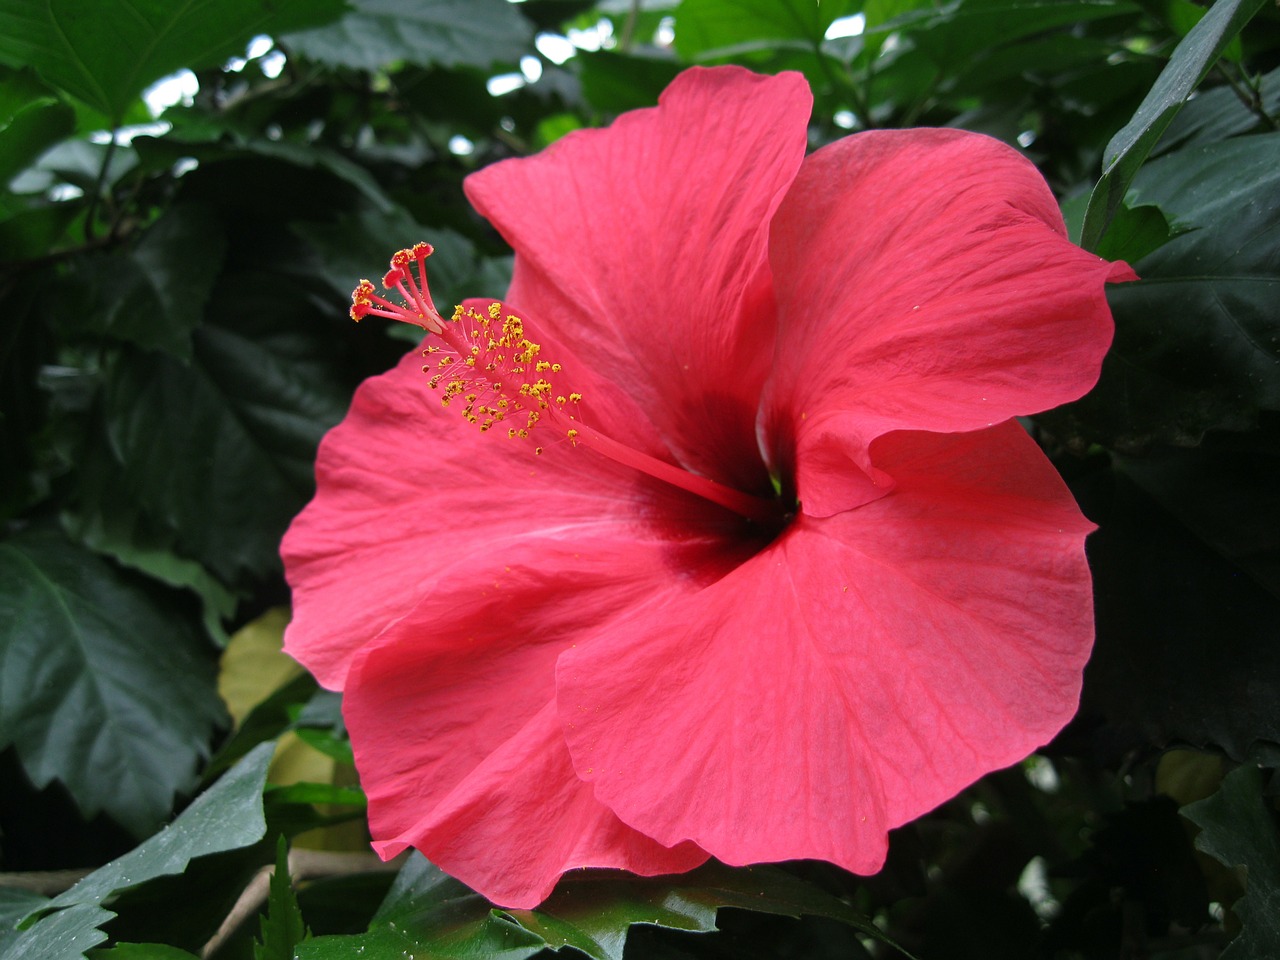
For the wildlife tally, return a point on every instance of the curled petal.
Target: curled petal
(925, 282)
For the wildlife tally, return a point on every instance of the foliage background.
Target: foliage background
(174, 342)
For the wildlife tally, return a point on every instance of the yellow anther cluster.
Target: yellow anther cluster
(483, 347)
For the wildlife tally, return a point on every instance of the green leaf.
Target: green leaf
(616, 82)
(106, 687)
(32, 119)
(141, 951)
(227, 816)
(221, 450)
(360, 245)
(1213, 115)
(14, 905)
(428, 910)
(1185, 650)
(449, 33)
(1191, 60)
(1136, 232)
(119, 535)
(1238, 829)
(65, 935)
(1223, 490)
(319, 793)
(155, 293)
(1198, 338)
(711, 28)
(105, 52)
(282, 927)
(265, 722)
(591, 912)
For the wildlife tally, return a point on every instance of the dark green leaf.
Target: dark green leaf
(319, 793)
(29, 233)
(1224, 491)
(32, 119)
(613, 82)
(221, 450)
(282, 928)
(1128, 149)
(591, 912)
(1198, 338)
(359, 246)
(1186, 649)
(710, 28)
(141, 951)
(155, 293)
(14, 905)
(311, 155)
(1135, 233)
(227, 816)
(449, 33)
(1238, 829)
(429, 911)
(952, 33)
(64, 935)
(265, 722)
(105, 52)
(337, 748)
(1213, 115)
(106, 688)
(120, 534)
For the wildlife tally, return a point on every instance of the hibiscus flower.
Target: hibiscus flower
(726, 542)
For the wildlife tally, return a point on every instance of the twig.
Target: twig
(303, 865)
(45, 882)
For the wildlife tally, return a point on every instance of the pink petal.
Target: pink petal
(457, 740)
(409, 493)
(934, 265)
(647, 243)
(858, 672)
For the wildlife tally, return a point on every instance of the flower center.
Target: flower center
(483, 362)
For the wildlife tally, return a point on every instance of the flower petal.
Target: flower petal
(647, 243)
(935, 266)
(854, 675)
(408, 492)
(458, 742)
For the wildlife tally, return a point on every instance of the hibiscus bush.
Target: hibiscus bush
(851, 529)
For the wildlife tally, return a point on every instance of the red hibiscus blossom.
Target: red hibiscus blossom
(741, 553)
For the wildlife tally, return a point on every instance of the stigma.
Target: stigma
(480, 361)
